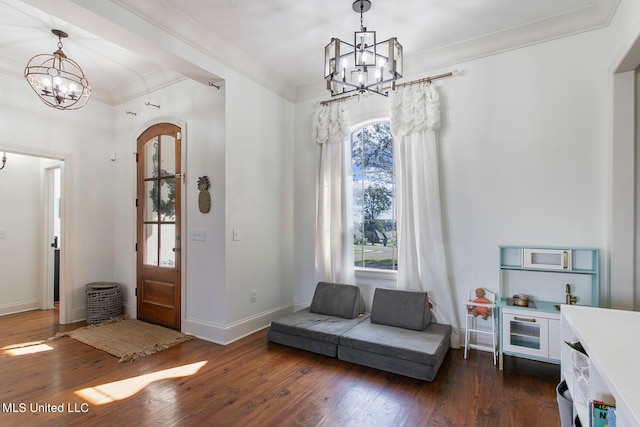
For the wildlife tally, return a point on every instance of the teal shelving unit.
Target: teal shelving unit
(543, 273)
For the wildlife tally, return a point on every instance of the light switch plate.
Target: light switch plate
(3, 234)
(199, 234)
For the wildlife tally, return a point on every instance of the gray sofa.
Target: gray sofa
(396, 336)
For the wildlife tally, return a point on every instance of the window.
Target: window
(374, 194)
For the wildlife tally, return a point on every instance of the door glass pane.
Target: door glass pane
(167, 245)
(151, 201)
(151, 244)
(159, 201)
(151, 158)
(167, 199)
(167, 155)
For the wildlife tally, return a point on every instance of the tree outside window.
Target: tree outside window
(374, 208)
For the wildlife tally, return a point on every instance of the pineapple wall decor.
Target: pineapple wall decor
(204, 198)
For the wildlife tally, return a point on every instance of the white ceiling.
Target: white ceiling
(281, 39)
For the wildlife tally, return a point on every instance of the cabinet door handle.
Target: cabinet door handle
(565, 260)
(522, 319)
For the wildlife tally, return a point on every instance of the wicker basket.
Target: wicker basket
(104, 300)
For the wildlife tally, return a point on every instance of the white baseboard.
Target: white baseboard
(78, 314)
(299, 306)
(204, 330)
(216, 333)
(226, 334)
(129, 309)
(19, 307)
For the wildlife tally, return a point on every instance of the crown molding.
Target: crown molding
(187, 46)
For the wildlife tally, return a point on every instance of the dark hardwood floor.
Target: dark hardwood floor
(252, 383)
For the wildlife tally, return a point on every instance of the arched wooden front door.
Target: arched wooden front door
(158, 287)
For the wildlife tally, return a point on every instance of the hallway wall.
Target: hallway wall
(20, 221)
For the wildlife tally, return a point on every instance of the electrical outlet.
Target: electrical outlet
(253, 296)
(199, 234)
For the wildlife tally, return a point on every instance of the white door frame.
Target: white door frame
(623, 288)
(49, 205)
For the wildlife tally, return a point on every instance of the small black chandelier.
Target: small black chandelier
(364, 66)
(57, 80)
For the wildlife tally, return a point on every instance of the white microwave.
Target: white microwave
(554, 259)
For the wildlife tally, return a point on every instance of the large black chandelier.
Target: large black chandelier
(57, 80)
(365, 65)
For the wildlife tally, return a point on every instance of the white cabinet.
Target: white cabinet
(554, 338)
(530, 333)
(613, 375)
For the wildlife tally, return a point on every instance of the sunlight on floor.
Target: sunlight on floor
(107, 393)
(26, 348)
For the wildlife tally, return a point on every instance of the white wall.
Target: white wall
(199, 110)
(523, 152)
(259, 176)
(83, 139)
(524, 148)
(247, 155)
(21, 218)
(239, 137)
(245, 147)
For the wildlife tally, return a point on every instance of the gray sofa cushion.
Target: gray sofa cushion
(403, 309)
(390, 364)
(334, 299)
(314, 332)
(426, 347)
(303, 343)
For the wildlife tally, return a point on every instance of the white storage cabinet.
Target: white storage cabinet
(612, 375)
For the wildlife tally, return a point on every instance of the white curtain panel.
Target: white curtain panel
(334, 226)
(422, 266)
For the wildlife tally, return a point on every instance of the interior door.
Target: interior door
(52, 234)
(158, 288)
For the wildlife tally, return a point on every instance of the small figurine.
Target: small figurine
(476, 310)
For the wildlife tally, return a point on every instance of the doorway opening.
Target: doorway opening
(31, 221)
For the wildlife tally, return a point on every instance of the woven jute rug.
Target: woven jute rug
(127, 338)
